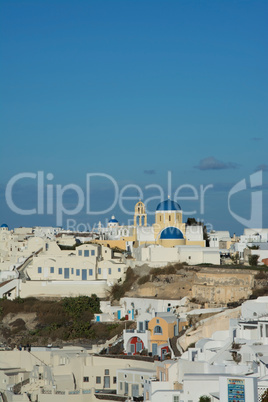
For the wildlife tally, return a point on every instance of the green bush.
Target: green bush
(253, 260)
(76, 306)
(204, 398)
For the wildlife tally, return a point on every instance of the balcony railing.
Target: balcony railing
(135, 331)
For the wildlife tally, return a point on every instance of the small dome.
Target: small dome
(171, 233)
(4, 225)
(168, 205)
(113, 220)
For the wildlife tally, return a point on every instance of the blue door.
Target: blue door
(84, 274)
(154, 349)
(118, 314)
(66, 273)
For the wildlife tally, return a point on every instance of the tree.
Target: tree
(253, 260)
(204, 398)
(192, 222)
(235, 258)
(254, 247)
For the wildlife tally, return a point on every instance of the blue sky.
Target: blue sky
(134, 89)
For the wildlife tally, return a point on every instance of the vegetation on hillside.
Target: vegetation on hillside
(67, 319)
(118, 290)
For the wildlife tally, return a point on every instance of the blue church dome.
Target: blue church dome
(168, 205)
(4, 225)
(113, 220)
(171, 233)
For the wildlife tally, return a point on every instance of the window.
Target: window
(158, 329)
(114, 380)
(169, 218)
(85, 379)
(79, 252)
(98, 380)
(110, 271)
(60, 271)
(52, 270)
(157, 321)
(72, 271)
(140, 326)
(39, 270)
(121, 386)
(146, 325)
(86, 253)
(99, 271)
(106, 372)
(176, 398)
(119, 269)
(78, 272)
(90, 272)
(92, 252)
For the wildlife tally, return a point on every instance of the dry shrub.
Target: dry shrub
(259, 292)
(19, 324)
(118, 291)
(144, 279)
(261, 275)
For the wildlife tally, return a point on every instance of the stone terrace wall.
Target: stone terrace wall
(222, 288)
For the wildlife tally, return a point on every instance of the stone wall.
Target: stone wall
(222, 288)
